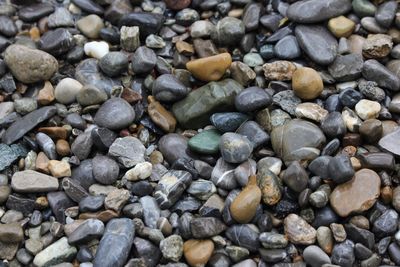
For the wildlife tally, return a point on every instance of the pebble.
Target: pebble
(31, 182)
(315, 256)
(206, 227)
(346, 67)
(96, 49)
(105, 169)
(251, 99)
(198, 252)
(280, 70)
(169, 88)
(114, 63)
(91, 95)
(143, 60)
(341, 26)
(287, 48)
(90, 229)
(210, 68)
(57, 252)
(377, 46)
(299, 231)
(90, 26)
(228, 31)
(30, 65)
(362, 194)
(115, 114)
(374, 71)
(367, 109)
(311, 111)
(235, 148)
(172, 248)
(206, 142)
(307, 83)
(60, 18)
(130, 39)
(67, 90)
(141, 171)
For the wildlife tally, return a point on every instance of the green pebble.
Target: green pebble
(364, 8)
(205, 142)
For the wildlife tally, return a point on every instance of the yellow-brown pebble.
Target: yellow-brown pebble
(59, 168)
(62, 147)
(244, 207)
(341, 26)
(46, 94)
(210, 68)
(160, 116)
(42, 163)
(307, 83)
(198, 252)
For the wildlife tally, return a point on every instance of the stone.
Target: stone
(268, 182)
(364, 8)
(295, 177)
(251, 99)
(30, 65)
(389, 142)
(143, 61)
(386, 224)
(367, 109)
(307, 83)
(90, 26)
(116, 243)
(33, 182)
(235, 148)
(242, 73)
(317, 42)
(299, 231)
(198, 252)
(280, 70)
(316, 11)
(87, 231)
(89, 6)
(361, 191)
(130, 39)
(96, 49)
(46, 94)
(210, 68)
(340, 169)
(105, 169)
(9, 154)
(206, 142)
(374, 71)
(311, 111)
(171, 186)
(343, 254)
(139, 172)
(60, 18)
(315, 256)
(59, 168)
(91, 95)
(58, 252)
(82, 145)
(151, 211)
(377, 46)
(11, 233)
(206, 227)
(116, 199)
(172, 248)
(169, 88)
(385, 13)
(296, 139)
(67, 90)
(228, 121)
(341, 26)
(114, 63)
(244, 235)
(194, 111)
(128, 150)
(244, 206)
(346, 67)
(228, 32)
(115, 114)
(57, 42)
(34, 12)
(161, 116)
(149, 23)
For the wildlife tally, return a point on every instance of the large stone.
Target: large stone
(195, 110)
(115, 244)
(297, 140)
(30, 65)
(58, 252)
(391, 142)
(299, 231)
(375, 71)
(87, 231)
(115, 113)
(9, 154)
(313, 11)
(33, 182)
(317, 42)
(357, 195)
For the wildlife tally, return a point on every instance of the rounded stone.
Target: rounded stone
(67, 90)
(229, 31)
(235, 148)
(307, 83)
(210, 68)
(198, 252)
(251, 99)
(105, 169)
(90, 26)
(244, 206)
(115, 114)
(114, 63)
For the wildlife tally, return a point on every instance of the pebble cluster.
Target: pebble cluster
(217, 133)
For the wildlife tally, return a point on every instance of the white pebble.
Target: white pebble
(96, 49)
(367, 109)
(140, 171)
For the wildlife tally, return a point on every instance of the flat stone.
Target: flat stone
(128, 150)
(391, 142)
(33, 182)
(57, 42)
(206, 142)
(58, 252)
(34, 12)
(346, 68)
(358, 194)
(11, 233)
(9, 154)
(87, 231)
(299, 231)
(374, 71)
(206, 227)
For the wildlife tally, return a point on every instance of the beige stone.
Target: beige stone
(210, 68)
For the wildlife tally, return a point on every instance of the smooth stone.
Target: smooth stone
(299, 231)
(96, 49)
(61, 18)
(228, 32)
(11, 233)
(139, 172)
(287, 48)
(128, 150)
(151, 211)
(82, 145)
(103, 138)
(295, 177)
(254, 132)
(30, 65)
(87, 231)
(343, 254)
(105, 169)
(7, 26)
(147, 251)
(317, 42)
(206, 227)
(223, 174)
(58, 252)
(202, 189)
(91, 95)
(315, 256)
(161, 116)
(296, 140)
(91, 203)
(244, 206)
(198, 252)
(88, 72)
(367, 109)
(115, 114)
(201, 29)
(89, 6)
(90, 26)
(228, 121)
(386, 224)
(67, 90)
(114, 63)
(385, 13)
(251, 99)
(194, 111)
(307, 83)
(346, 68)
(374, 71)
(363, 8)
(341, 26)
(34, 12)
(115, 245)
(206, 142)
(169, 88)
(244, 235)
(210, 68)
(173, 147)
(316, 11)
(340, 169)
(148, 23)
(389, 142)
(144, 59)
(235, 148)
(57, 42)
(273, 255)
(361, 191)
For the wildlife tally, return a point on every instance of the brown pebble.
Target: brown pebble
(103, 216)
(42, 202)
(198, 252)
(387, 194)
(307, 83)
(360, 221)
(62, 147)
(46, 94)
(280, 70)
(34, 33)
(184, 48)
(160, 116)
(177, 4)
(210, 68)
(55, 132)
(42, 163)
(131, 96)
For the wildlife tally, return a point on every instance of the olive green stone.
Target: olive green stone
(206, 142)
(195, 110)
(364, 8)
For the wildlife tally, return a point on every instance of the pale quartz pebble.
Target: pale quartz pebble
(140, 171)
(96, 49)
(367, 109)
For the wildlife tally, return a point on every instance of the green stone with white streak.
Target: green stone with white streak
(205, 142)
(194, 111)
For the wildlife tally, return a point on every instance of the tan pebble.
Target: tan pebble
(341, 26)
(198, 252)
(184, 48)
(210, 68)
(160, 116)
(387, 194)
(55, 132)
(62, 147)
(307, 83)
(280, 70)
(34, 33)
(42, 163)
(59, 168)
(46, 94)
(360, 222)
